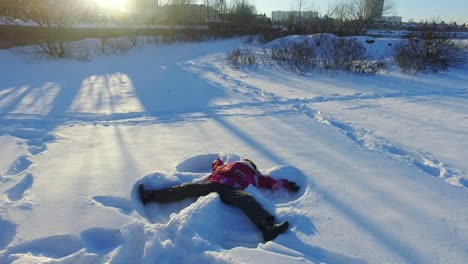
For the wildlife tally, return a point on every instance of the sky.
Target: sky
(443, 10)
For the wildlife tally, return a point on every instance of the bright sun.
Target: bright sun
(112, 5)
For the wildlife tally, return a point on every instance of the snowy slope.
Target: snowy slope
(380, 160)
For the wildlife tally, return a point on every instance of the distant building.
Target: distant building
(373, 8)
(309, 14)
(281, 16)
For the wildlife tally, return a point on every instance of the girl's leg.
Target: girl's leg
(255, 212)
(247, 203)
(181, 192)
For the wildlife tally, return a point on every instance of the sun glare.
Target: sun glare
(111, 5)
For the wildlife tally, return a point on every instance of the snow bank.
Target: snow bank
(316, 39)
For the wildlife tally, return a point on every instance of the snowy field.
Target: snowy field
(381, 160)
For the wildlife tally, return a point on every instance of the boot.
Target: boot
(143, 194)
(270, 230)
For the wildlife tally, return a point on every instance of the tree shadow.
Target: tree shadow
(388, 240)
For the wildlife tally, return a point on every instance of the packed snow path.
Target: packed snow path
(381, 160)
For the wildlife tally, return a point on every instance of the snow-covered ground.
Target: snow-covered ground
(381, 160)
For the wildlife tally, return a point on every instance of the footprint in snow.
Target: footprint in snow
(38, 145)
(21, 164)
(34, 150)
(100, 240)
(35, 138)
(464, 182)
(7, 232)
(16, 192)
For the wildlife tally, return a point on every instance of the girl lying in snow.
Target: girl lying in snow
(229, 181)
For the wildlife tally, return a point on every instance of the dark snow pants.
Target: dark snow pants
(229, 195)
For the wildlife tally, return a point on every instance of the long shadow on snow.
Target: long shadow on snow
(389, 241)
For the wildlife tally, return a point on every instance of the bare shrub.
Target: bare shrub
(81, 50)
(409, 56)
(345, 54)
(118, 45)
(341, 54)
(53, 44)
(52, 17)
(326, 52)
(299, 57)
(367, 66)
(428, 52)
(133, 39)
(242, 57)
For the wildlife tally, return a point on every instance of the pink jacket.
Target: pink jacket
(241, 174)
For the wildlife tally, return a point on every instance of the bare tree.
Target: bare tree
(177, 11)
(220, 6)
(243, 7)
(9, 11)
(355, 17)
(51, 13)
(241, 11)
(51, 16)
(300, 5)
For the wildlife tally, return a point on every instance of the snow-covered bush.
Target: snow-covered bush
(367, 66)
(119, 45)
(323, 51)
(341, 53)
(242, 57)
(299, 57)
(428, 53)
(84, 50)
(409, 56)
